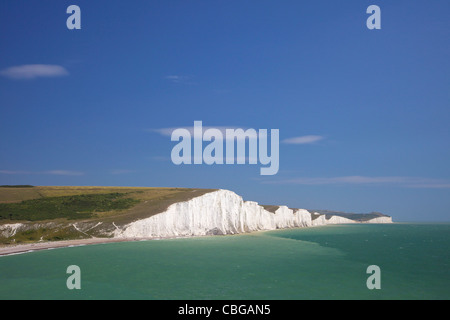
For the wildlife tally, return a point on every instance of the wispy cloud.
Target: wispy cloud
(63, 173)
(175, 78)
(168, 131)
(180, 79)
(50, 172)
(303, 140)
(409, 182)
(244, 134)
(296, 140)
(33, 71)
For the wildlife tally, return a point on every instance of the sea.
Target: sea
(319, 263)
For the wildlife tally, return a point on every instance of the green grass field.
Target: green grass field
(49, 203)
(68, 207)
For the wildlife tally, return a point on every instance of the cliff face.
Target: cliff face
(215, 213)
(380, 220)
(9, 230)
(222, 212)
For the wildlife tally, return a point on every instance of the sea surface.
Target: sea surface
(327, 262)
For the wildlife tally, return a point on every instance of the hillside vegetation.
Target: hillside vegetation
(48, 203)
(63, 213)
(68, 207)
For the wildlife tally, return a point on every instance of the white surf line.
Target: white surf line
(16, 253)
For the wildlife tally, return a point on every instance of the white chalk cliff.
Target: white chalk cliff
(223, 212)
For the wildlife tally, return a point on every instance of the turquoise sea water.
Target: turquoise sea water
(313, 263)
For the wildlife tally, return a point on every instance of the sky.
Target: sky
(363, 115)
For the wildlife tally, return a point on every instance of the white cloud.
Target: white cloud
(174, 78)
(408, 182)
(179, 79)
(239, 135)
(297, 140)
(50, 172)
(303, 140)
(168, 131)
(63, 173)
(32, 71)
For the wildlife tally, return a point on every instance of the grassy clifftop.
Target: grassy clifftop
(80, 203)
(62, 213)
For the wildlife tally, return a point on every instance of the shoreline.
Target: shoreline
(40, 246)
(15, 249)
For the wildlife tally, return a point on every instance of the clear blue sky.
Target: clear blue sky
(378, 101)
